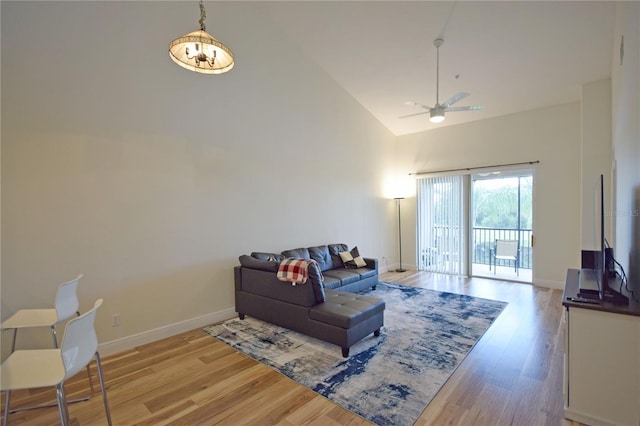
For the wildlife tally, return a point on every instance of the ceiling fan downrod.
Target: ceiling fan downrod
(437, 43)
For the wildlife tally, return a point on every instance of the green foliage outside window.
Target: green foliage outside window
(495, 203)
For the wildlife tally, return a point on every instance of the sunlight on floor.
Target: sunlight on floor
(502, 273)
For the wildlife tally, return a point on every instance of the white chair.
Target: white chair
(505, 250)
(37, 368)
(66, 306)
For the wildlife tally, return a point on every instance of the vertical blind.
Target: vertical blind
(441, 224)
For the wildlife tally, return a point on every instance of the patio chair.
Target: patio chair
(505, 250)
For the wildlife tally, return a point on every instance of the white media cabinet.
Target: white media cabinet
(601, 360)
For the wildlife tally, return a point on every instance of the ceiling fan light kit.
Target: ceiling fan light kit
(436, 113)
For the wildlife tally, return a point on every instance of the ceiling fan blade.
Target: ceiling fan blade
(464, 108)
(455, 98)
(417, 104)
(413, 115)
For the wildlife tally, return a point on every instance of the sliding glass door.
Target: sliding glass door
(441, 224)
(502, 225)
(479, 225)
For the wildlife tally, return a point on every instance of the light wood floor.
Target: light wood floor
(513, 376)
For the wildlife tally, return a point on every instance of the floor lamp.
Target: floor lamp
(400, 269)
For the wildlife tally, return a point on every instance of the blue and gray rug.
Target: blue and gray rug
(390, 379)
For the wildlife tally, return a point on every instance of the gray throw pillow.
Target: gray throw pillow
(273, 257)
(321, 255)
(263, 265)
(334, 251)
(299, 253)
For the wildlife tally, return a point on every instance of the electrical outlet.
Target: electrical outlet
(115, 320)
(384, 267)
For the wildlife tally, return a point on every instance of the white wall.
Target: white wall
(595, 161)
(152, 180)
(550, 135)
(626, 139)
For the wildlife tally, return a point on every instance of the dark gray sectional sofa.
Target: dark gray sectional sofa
(325, 309)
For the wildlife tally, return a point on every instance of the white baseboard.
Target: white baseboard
(586, 418)
(129, 342)
(394, 266)
(549, 284)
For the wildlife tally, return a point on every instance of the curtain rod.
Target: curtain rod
(468, 169)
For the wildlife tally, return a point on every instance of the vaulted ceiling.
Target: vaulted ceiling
(511, 56)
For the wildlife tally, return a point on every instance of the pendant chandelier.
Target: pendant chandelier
(198, 51)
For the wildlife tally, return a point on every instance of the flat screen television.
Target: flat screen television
(603, 272)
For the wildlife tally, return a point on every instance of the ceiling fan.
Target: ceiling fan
(437, 112)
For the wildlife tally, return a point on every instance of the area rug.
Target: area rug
(389, 380)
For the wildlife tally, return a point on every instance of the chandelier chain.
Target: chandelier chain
(203, 15)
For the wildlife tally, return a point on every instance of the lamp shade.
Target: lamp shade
(198, 51)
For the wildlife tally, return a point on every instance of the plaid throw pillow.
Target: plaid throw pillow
(352, 259)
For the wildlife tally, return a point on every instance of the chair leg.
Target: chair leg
(55, 336)
(103, 389)
(13, 341)
(5, 420)
(90, 383)
(60, 409)
(63, 409)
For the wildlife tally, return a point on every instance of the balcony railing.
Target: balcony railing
(445, 242)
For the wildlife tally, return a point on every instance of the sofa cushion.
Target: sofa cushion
(321, 255)
(273, 257)
(352, 259)
(299, 253)
(253, 263)
(334, 249)
(365, 272)
(346, 276)
(346, 310)
(331, 282)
